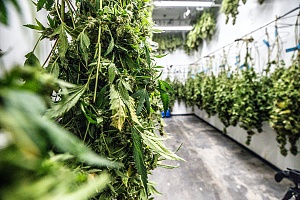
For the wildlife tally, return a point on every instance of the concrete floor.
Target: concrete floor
(215, 168)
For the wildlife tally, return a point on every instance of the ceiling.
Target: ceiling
(175, 16)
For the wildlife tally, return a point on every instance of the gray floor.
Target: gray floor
(215, 167)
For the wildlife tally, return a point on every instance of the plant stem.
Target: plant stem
(72, 17)
(98, 62)
(37, 43)
(99, 58)
(50, 52)
(86, 131)
(62, 10)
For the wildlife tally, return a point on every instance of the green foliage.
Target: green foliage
(189, 91)
(224, 99)
(101, 47)
(285, 109)
(208, 94)
(248, 99)
(203, 29)
(168, 42)
(230, 8)
(248, 104)
(26, 170)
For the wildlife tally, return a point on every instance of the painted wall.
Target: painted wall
(252, 16)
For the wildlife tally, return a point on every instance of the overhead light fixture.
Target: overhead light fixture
(182, 3)
(174, 28)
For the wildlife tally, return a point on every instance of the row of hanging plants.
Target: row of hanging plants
(247, 98)
(168, 42)
(100, 88)
(203, 29)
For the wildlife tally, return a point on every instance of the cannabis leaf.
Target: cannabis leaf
(53, 68)
(139, 157)
(40, 4)
(67, 103)
(118, 109)
(32, 60)
(143, 98)
(84, 43)
(111, 45)
(112, 71)
(63, 44)
(156, 144)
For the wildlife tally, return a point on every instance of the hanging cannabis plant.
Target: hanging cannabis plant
(168, 42)
(198, 85)
(208, 94)
(203, 29)
(230, 8)
(172, 95)
(178, 87)
(286, 107)
(101, 46)
(224, 99)
(189, 91)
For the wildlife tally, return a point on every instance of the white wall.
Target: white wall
(251, 17)
(179, 61)
(18, 40)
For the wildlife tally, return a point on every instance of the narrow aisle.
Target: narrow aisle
(216, 167)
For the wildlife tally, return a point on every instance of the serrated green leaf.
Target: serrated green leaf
(148, 59)
(40, 24)
(40, 4)
(49, 4)
(165, 86)
(84, 43)
(34, 27)
(123, 91)
(89, 118)
(53, 68)
(156, 145)
(111, 72)
(101, 96)
(139, 158)
(118, 109)
(66, 104)
(126, 85)
(142, 97)
(161, 56)
(111, 45)
(32, 60)
(166, 100)
(63, 44)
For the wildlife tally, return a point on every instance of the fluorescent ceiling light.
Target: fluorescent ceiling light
(174, 28)
(182, 3)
